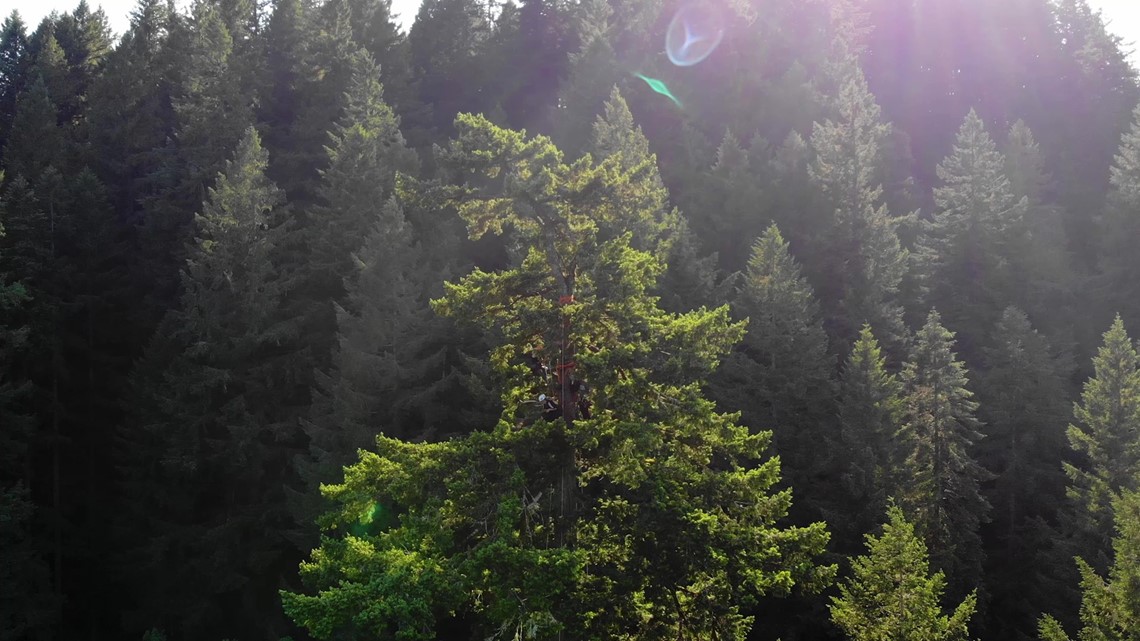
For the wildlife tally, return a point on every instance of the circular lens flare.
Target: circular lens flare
(694, 32)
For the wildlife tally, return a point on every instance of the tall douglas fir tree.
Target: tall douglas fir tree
(587, 504)
(214, 410)
(940, 487)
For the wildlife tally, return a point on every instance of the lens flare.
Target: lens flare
(694, 32)
(370, 521)
(659, 87)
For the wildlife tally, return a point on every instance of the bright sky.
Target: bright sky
(119, 11)
(1123, 16)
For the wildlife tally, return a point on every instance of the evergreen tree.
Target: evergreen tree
(1106, 437)
(1119, 262)
(728, 211)
(85, 39)
(211, 108)
(891, 595)
(287, 40)
(859, 257)
(397, 368)
(690, 280)
(963, 249)
(1110, 610)
(214, 106)
(780, 376)
(130, 115)
(591, 514)
(445, 43)
(310, 76)
(366, 152)
(940, 485)
(37, 224)
(870, 415)
(616, 133)
(1094, 72)
(592, 72)
(208, 450)
(1022, 401)
(539, 55)
(1038, 252)
(36, 142)
(48, 62)
(13, 69)
(27, 606)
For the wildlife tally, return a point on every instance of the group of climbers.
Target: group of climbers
(566, 396)
(572, 394)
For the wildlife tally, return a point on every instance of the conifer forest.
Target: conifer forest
(570, 320)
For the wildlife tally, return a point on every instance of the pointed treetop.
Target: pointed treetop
(891, 594)
(615, 132)
(243, 196)
(1125, 173)
(771, 255)
(848, 144)
(1025, 164)
(975, 186)
(933, 338)
(730, 156)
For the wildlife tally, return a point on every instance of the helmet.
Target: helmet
(541, 398)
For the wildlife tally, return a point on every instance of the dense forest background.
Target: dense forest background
(895, 240)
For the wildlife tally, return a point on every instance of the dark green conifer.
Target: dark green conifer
(1110, 609)
(870, 415)
(963, 249)
(213, 434)
(781, 375)
(1119, 262)
(892, 595)
(940, 485)
(14, 63)
(1105, 435)
(859, 262)
(1022, 402)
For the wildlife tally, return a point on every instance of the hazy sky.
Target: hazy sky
(1123, 16)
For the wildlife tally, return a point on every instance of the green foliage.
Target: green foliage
(858, 251)
(1040, 259)
(724, 201)
(940, 486)
(1022, 401)
(213, 107)
(963, 248)
(1110, 608)
(891, 594)
(35, 142)
(1119, 262)
(444, 44)
(592, 73)
(398, 369)
(85, 39)
(209, 483)
(1106, 436)
(690, 279)
(366, 152)
(654, 516)
(13, 69)
(781, 375)
(870, 415)
(26, 604)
